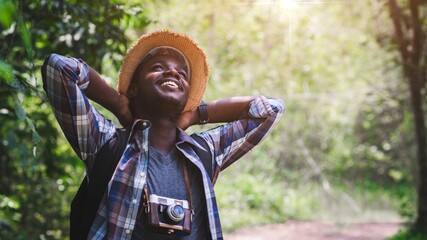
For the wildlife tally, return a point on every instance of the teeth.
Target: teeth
(169, 83)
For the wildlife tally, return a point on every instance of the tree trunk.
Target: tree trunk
(411, 52)
(420, 134)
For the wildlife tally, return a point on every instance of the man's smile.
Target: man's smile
(170, 83)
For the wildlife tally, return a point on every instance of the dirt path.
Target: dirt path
(297, 230)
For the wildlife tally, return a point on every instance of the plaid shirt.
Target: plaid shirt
(64, 80)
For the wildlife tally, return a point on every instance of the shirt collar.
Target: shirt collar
(137, 130)
(183, 137)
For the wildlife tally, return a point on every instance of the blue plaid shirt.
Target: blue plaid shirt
(87, 130)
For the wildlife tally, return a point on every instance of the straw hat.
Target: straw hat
(195, 56)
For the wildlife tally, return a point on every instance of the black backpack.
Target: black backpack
(88, 198)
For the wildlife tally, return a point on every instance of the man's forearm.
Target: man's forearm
(228, 109)
(219, 111)
(99, 91)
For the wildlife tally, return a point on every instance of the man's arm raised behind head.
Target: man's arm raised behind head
(251, 120)
(65, 81)
(218, 111)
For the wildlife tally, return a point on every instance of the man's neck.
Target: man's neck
(164, 119)
(163, 134)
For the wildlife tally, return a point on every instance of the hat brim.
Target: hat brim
(191, 50)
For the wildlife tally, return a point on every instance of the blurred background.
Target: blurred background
(352, 73)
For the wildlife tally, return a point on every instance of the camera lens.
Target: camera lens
(175, 212)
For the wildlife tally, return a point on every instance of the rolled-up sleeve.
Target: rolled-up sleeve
(231, 141)
(64, 80)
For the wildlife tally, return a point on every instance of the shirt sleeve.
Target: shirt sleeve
(64, 80)
(231, 141)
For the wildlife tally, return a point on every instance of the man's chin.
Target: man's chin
(162, 104)
(172, 101)
(169, 104)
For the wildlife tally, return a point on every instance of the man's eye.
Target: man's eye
(157, 67)
(183, 75)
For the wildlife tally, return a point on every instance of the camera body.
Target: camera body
(168, 215)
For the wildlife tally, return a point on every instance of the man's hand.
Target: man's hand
(123, 112)
(187, 119)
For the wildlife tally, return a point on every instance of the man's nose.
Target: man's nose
(172, 72)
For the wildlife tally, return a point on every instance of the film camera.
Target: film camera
(168, 215)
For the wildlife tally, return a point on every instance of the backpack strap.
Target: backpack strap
(205, 156)
(88, 198)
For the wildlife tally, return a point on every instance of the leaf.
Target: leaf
(8, 202)
(35, 135)
(26, 37)
(49, 4)
(7, 12)
(19, 110)
(6, 72)
(395, 175)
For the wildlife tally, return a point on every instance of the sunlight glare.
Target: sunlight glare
(288, 4)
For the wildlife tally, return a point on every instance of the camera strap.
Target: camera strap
(187, 186)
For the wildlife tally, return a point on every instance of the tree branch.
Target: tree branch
(396, 17)
(417, 42)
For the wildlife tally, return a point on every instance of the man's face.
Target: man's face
(162, 80)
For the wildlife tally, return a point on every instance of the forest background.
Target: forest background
(345, 151)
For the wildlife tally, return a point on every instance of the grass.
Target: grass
(246, 199)
(408, 234)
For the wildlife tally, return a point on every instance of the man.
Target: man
(160, 88)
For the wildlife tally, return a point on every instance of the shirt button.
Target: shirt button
(142, 174)
(127, 231)
(134, 201)
(144, 124)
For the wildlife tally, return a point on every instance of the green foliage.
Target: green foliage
(255, 199)
(39, 173)
(408, 234)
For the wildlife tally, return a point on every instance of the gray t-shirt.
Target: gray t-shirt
(166, 178)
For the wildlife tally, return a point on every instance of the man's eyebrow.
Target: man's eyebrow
(180, 66)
